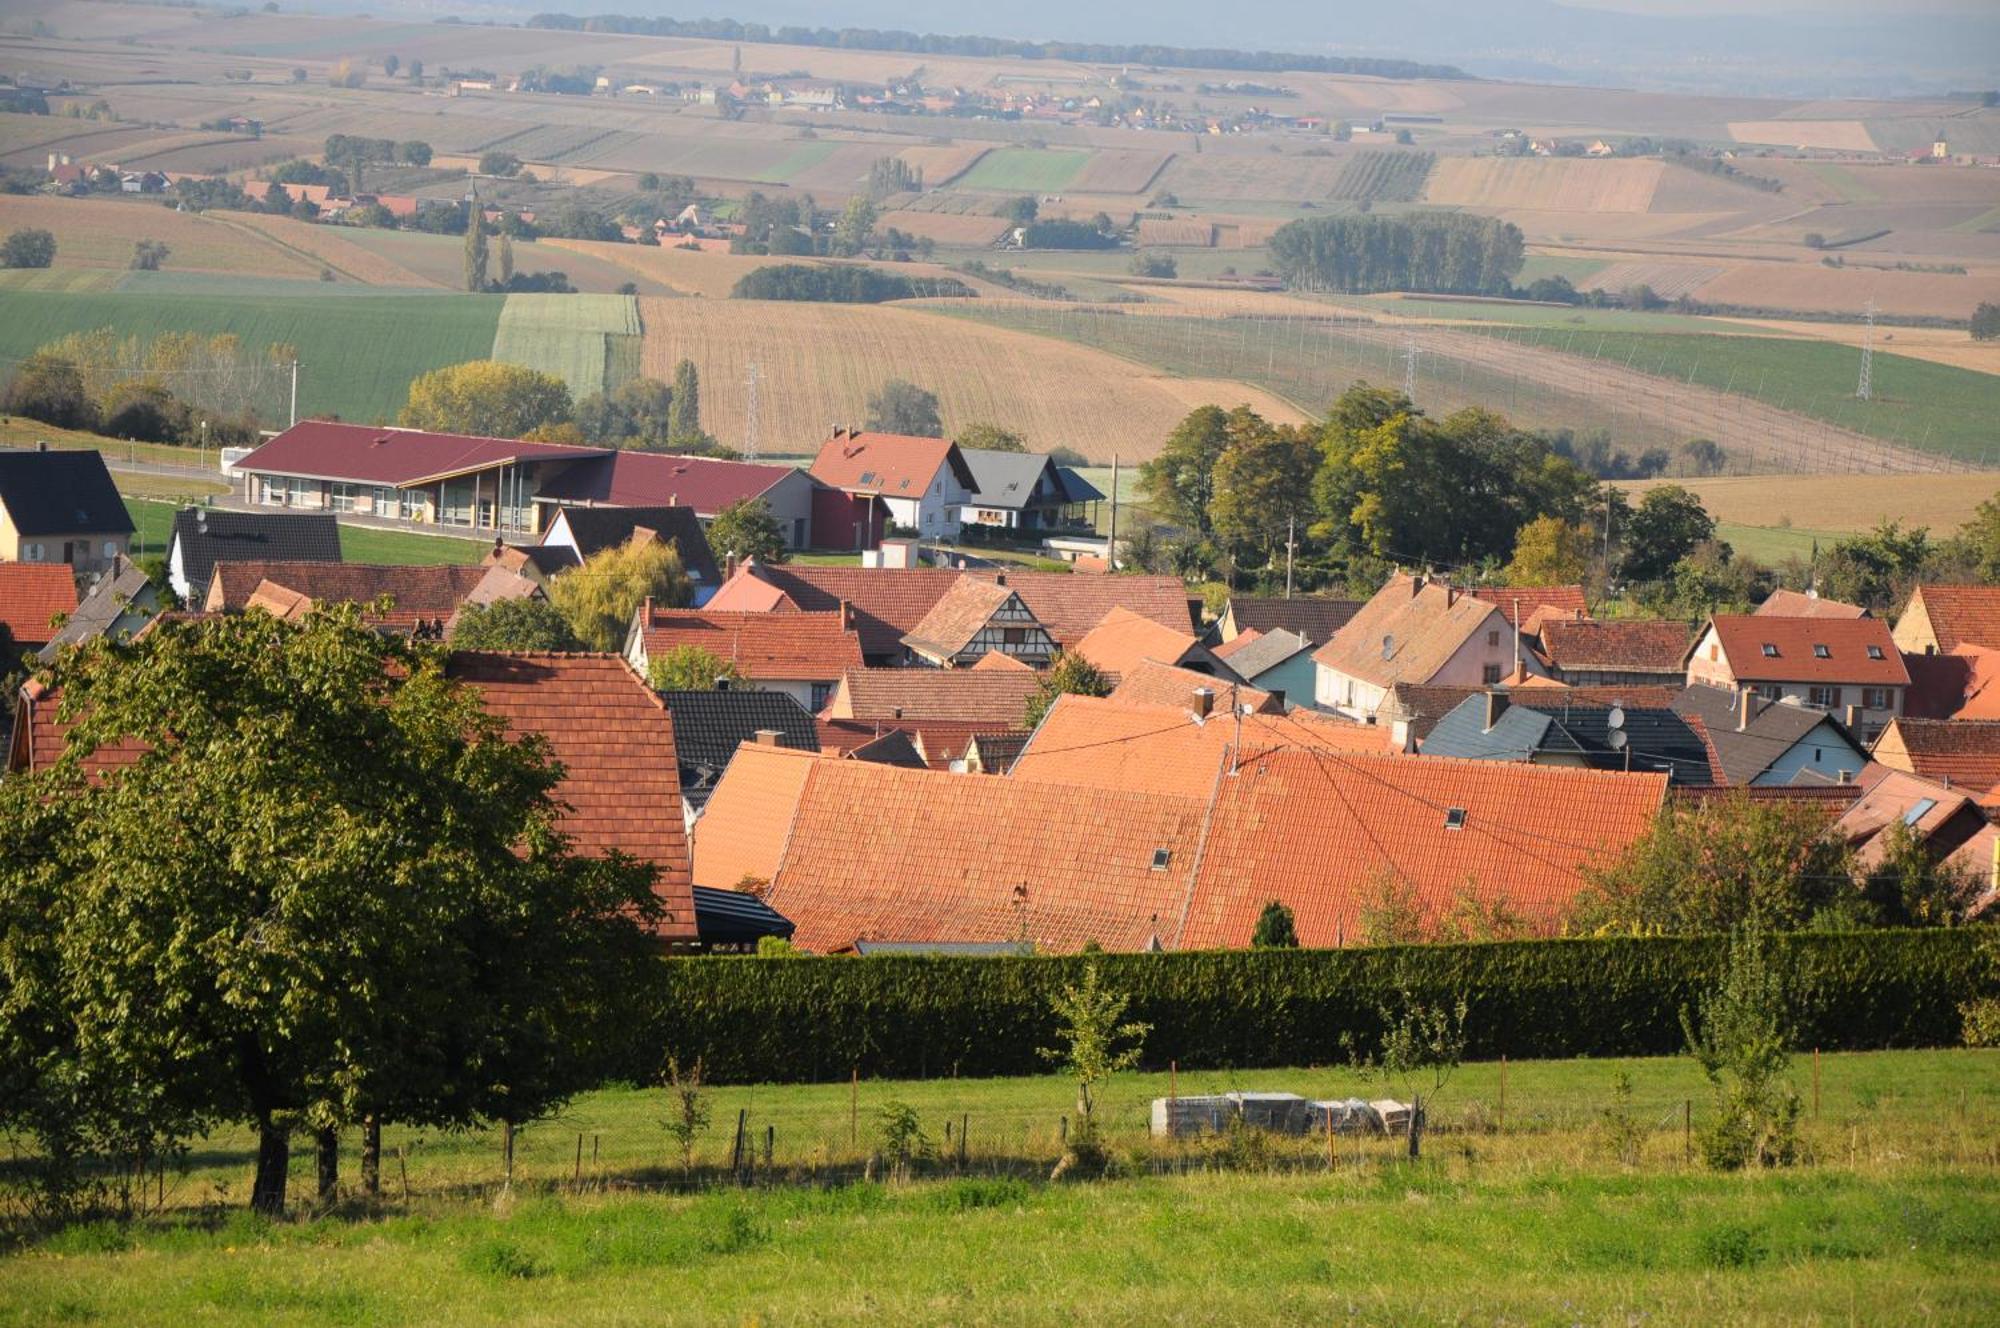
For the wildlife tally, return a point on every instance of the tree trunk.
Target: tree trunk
(274, 1158)
(328, 1143)
(371, 1155)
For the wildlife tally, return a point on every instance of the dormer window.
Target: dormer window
(1821, 652)
(1161, 857)
(1770, 650)
(1454, 818)
(1874, 652)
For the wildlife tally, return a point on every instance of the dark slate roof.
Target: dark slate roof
(1314, 617)
(1657, 740)
(893, 748)
(211, 535)
(1745, 753)
(599, 528)
(107, 601)
(1004, 479)
(731, 917)
(61, 493)
(1076, 488)
(710, 726)
(548, 559)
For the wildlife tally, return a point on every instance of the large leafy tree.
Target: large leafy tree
(599, 599)
(1668, 524)
(330, 887)
(513, 624)
(746, 529)
(486, 397)
(1180, 481)
(1263, 483)
(903, 407)
(51, 388)
(1067, 673)
(1550, 551)
(690, 669)
(684, 412)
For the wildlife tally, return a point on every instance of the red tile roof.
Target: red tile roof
(1965, 752)
(1797, 640)
(1314, 830)
(995, 698)
(1069, 605)
(1524, 603)
(30, 595)
(1124, 639)
(741, 833)
(880, 853)
(1152, 683)
(40, 737)
(958, 616)
(1423, 622)
(778, 647)
(378, 454)
(621, 781)
(1803, 604)
(1961, 615)
(661, 479)
(938, 741)
(418, 592)
(1626, 645)
(895, 465)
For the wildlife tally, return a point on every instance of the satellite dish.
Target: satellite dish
(1617, 740)
(1616, 719)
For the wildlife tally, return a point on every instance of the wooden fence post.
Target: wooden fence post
(736, 1149)
(1687, 1131)
(770, 1144)
(1815, 1083)
(964, 1123)
(854, 1109)
(507, 1147)
(1500, 1117)
(576, 1176)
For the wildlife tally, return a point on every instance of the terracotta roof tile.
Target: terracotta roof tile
(999, 661)
(1152, 683)
(1314, 617)
(741, 833)
(621, 781)
(1961, 615)
(1633, 645)
(1801, 604)
(1747, 642)
(30, 595)
(957, 617)
(778, 647)
(939, 742)
(1965, 752)
(40, 737)
(1242, 640)
(379, 454)
(895, 465)
(625, 478)
(1312, 829)
(1124, 639)
(419, 592)
(880, 853)
(1523, 604)
(1407, 632)
(992, 698)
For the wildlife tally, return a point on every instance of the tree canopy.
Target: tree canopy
(599, 599)
(690, 669)
(903, 407)
(746, 529)
(513, 624)
(486, 397)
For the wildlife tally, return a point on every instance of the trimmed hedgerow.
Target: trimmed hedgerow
(787, 1020)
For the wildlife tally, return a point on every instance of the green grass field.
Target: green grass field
(1919, 404)
(590, 342)
(1537, 266)
(1772, 545)
(357, 355)
(1023, 170)
(803, 157)
(358, 544)
(1522, 1210)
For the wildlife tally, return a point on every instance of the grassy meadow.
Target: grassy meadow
(1524, 1208)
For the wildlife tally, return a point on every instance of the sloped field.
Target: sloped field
(590, 342)
(1545, 184)
(100, 234)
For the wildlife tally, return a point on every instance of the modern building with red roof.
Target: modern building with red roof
(31, 596)
(500, 485)
(800, 654)
(1846, 666)
(920, 484)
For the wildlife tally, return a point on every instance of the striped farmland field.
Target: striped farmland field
(591, 342)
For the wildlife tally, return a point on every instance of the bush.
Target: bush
(839, 285)
(1066, 235)
(28, 248)
(50, 388)
(145, 412)
(908, 1017)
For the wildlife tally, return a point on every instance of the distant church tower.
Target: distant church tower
(1940, 150)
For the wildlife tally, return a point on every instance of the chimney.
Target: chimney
(1000, 579)
(846, 615)
(1854, 718)
(1496, 706)
(721, 682)
(41, 444)
(1204, 702)
(1747, 708)
(729, 568)
(897, 711)
(766, 737)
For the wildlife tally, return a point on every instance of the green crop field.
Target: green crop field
(1935, 407)
(1522, 1209)
(357, 355)
(358, 544)
(802, 157)
(1578, 270)
(590, 342)
(1026, 170)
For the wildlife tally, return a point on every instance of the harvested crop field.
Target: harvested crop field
(1025, 170)
(1815, 288)
(714, 275)
(1186, 232)
(1841, 503)
(439, 260)
(591, 342)
(1669, 281)
(328, 245)
(1544, 185)
(944, 227)
(1389, 177)
(1833, 135)
(942, 163)
(1238, 177)
(357, 354)
(819, 363)
(100, 234)
(1114, 172)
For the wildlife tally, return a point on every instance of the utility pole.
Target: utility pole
(1410, 367)
(1291, 543)
(295, 389)
(1111, 551)
(1865, 390)
(750, 412)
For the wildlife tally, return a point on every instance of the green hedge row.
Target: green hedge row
(789, 1020)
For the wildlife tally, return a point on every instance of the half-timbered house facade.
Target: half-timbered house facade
(973, 618)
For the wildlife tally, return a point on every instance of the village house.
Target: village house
(1125, 639)
(588, 531)
(875, 481)
(61, 507)
(989, 700)
(1313, 617)
(1849, 667)
(1783, 603)
(1765, 744)
(123, 601)
(1587, 652)
(1961, 753)
(1419, 630)
(1026, 493)
(203, 537)
(802, 655)
(974, 618)
(1277, 660)
(1949, 822)
(421, 600)
(712, 723)
(1941, 618)
(1541, 726)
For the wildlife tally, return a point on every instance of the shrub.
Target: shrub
(51, 389)
(28, 248)
(1065, 235)
(817, 1018)
(829, 284)
(1742, 1038)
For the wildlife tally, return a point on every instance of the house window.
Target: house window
(32, 553)
(273, 494)
(821, 691)
(341, 497)
(1770, 650)
(1821, 652)
(1828, 697)
(1874, 652)
(1161, 857)
(385, 501)
(1493, 638)
(1014, 636)
(1714, 653)
(1490, 674)
(1874, 698)
(1771, 691)
(110, 549)
(413, 505)
(1454, 818)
